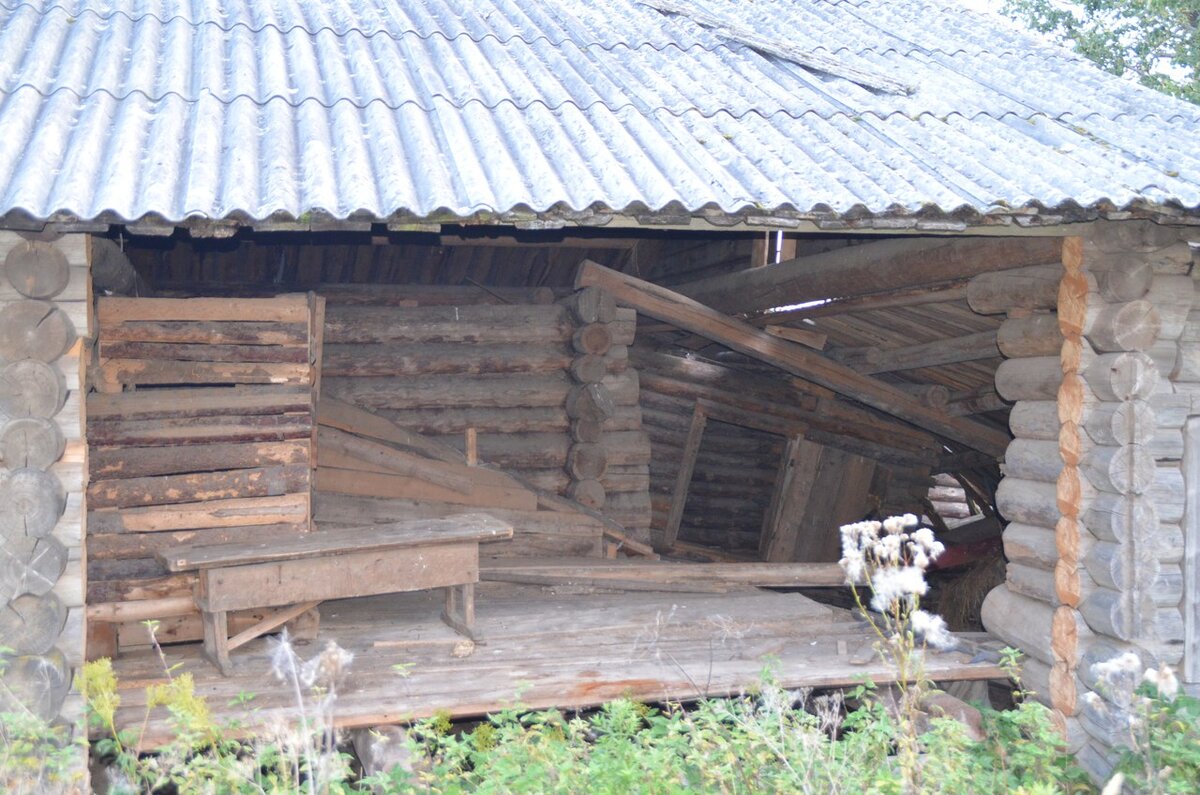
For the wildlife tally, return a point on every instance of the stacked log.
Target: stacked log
(545, 386)
(742, 456)
(1040, 495)
(43, 314)
(201, 429)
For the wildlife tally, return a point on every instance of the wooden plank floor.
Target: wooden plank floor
(541, 650)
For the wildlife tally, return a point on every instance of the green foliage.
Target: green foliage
(1155, 41)
(1165, 754)
(36, 757)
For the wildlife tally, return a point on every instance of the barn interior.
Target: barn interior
(618, 436)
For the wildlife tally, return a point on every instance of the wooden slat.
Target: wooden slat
(347, 417)
(381, 457)
(131, 462)
(193, 352)
(209, 333)
(568, 570)
(279, 309)
(199, 402)
(141, 372)
(375, 484)
(286, 509)
(683, 477)
(199, 430)
(396, 535)
(199, 487)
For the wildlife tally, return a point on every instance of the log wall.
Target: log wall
(544, 385)
(44, 339)
(1094, 482)
(742, 495)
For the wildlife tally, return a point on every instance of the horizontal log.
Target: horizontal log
(1120, 517)
(1028, 501)
(165, 490)
(1031, 459)
(1036, 378)
(202, 352)
(124, 546)
(877, 267)
(1128, 469)
(1131, 326)
(1035, 419)
(1032, 582)
(433, 358)
(1127, 422)
(1121, 567)
(1121, 278)
(1172, 297)
(1026, 623)
(1121, 376)
(149, 372)
(1028, 336)
(182, 332)
(454, 421)
(111, 311)
(445, 324)
(546, 450)
(1110, 613)
(152, 404)
(662, 573)
(285, 509)
(136, 462)
(1032, 288)
(199, 430)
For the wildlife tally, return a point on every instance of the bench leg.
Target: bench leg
(459, 612)
(216, 640)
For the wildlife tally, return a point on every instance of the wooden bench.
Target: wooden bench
(335, 564)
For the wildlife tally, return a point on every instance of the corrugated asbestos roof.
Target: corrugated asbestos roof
(404, 109)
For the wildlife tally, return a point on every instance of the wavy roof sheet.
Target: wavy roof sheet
(214, 109)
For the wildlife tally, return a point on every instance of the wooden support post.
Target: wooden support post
(472, 447)
(684, 476)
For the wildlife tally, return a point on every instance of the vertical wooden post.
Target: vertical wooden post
(793, 488)
(472, 447)
(683, 477)
(1191, 552)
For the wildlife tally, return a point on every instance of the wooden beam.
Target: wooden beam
(932, 294)
(873, 359)
(793, 489)
(598, 572)
(813, 339)
(684, 476)
(870, 268)
(663, 304)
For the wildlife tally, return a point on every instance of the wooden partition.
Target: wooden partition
(200, 430)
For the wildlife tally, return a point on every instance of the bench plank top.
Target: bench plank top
(455, 529)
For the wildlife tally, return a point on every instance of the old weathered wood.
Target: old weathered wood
(1113, 517)
(662, 573)
(970, 347)
(1127, 422)
(344, 416)
(947, 292)
(1033, 335)
(199, 402)
(683, 476)
(1126, 279)
(144, 372)
(789, 500)
(31, 624)
(179, 431)
(588, 369)
(585, 430)
(589, 492)
(37, 269)
(1125, 469)
(111, 311)
(391, 459)
(1028, 501)
(666, 305)
(1131, 326)
(1191, 551)
(586, 461)
(468, 323)
(38, 683)
(197, 487)
(136, 462)
(432, 358)
(933, 395)
(508, 390)
(31, 501)
(1032, 459)
(1170, 295)
(1121, 376)
(31, 388)
(877, 267)
(592, 305)
(590, 402)
(251, 331)
(813, 339)
(112, 272)
(190, 352)
(30, 565)
(594, 338)
(34, 330)
(1033, 288)
(284, 509)
(1037, 378)
(31, 442)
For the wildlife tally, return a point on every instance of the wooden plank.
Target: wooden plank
(141, 372)
(279, 309)
(567, 570)
(1191, 552)
(209, 333)
(967, 348)
(455, 529)
(199, 487)
(813, 339)
(683, 476)
(269, 623)
(131, 462)
(386, 570)
(199, 430)
(389, 459)
(789, 502)
(285, 509)
(344, 416)
(666, 305)
(199, 402)
(374, 484)
(192, 352)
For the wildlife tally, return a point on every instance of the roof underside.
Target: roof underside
(564, 111)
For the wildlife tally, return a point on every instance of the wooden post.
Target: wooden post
(472, 447)
(684, 476)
